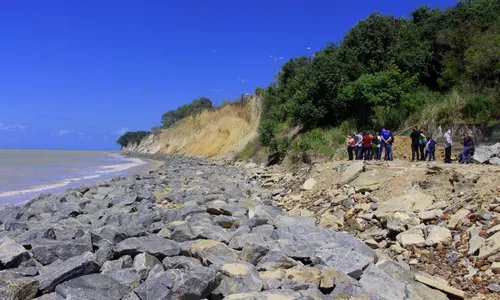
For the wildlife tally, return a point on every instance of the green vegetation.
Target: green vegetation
(172, 116)
(389, 72)
(132, 137)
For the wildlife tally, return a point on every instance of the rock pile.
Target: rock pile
(445, 222)
(193, 230)
(487, 154)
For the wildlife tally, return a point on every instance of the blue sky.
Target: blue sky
(76, 74)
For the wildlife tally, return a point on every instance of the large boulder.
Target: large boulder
(91, 287)
(180, 284)
(483, 153)
(152, 244)
(351, 173)
(348, 255)
(47, 251)
(51, 276)
(11, 253)
(379, 283)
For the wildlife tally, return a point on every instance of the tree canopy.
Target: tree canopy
(386, 69)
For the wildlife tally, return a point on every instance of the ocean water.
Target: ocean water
(26, 173)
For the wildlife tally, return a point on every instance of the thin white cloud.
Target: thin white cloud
(122, 131)
(65, 132)
(12, 127)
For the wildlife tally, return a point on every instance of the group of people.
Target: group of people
(422, 147)
(467, 150)
(370, 145)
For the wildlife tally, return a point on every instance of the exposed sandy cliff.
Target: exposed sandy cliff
(219, 133)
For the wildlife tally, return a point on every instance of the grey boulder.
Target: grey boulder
(72, 268)
(152, 244)
(91, 287)
(11, 253)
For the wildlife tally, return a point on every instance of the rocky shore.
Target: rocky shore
(193, 229)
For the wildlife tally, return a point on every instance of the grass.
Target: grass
(322, 140)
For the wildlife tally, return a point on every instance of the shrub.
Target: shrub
(478, 108)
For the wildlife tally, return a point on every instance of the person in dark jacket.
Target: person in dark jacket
(466, 152)
(415, 138)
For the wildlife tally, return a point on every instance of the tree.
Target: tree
(131, 137)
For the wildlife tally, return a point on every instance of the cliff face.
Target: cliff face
(219, 133)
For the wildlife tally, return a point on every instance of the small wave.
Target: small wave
(133, 162)
(40, 188)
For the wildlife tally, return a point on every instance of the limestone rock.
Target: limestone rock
(401, 221)
(437, 235)
(212, 252)
(458, 217)
(127, 277)
(411, 238)
(143, 263)
(308, 184)
(238, 278)
(351, 173)
(491, 246)
(181, 262)
(24, 288)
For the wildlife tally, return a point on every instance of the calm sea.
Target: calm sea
(25, 173)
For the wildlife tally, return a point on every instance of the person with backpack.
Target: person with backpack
(421, 145)
(430, 149)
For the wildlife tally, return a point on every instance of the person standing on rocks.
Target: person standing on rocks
(367, 146)
(384, 141)
(415, 139)
(376, 145)
(351, 143)
(421, 144)
(390, 141)
(447, 146)
(430, 149)
(466, 152)
(358, 138)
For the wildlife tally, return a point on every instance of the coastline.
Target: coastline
(19, 197)
(191, 217)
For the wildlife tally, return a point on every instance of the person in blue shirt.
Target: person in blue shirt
(430, 149)
(466, 152)
(385, 136)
